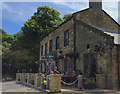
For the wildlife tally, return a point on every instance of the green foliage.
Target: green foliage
(89, 84)
(21, 50)
(47, 18)
(41, 23)
(39, 26)
(7, 41)
(66, 17)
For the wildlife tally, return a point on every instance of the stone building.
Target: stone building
(87, 42)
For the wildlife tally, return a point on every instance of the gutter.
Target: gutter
(118, 66)
(74, 42)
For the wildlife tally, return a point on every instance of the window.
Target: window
(52, 67)
(42, 50)
(66, 38)
(45, 48)
(57, 42)
(50, 46)
(70, 66)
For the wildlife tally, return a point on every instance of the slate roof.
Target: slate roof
(114, 34)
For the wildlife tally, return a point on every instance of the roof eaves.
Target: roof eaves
(58, 26)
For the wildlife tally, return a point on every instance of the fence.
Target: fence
(53, 82)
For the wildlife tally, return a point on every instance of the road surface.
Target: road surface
(13, 87)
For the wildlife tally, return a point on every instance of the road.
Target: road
(72, 90)
(13, 87)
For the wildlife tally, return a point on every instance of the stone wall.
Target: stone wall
(60, 32)
(69, 25)
(115, 60)
(55, 83)
(89, 16)
(85, 35)
(101, 19)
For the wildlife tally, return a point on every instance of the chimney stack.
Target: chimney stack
(95, 4)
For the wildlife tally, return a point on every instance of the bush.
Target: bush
(89, 84)
(32, 82)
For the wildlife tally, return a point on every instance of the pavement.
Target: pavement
(14, 88)
(73, 90)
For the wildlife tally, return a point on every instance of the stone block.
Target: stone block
(80, 84)
(16, 77)
(28, 78)
(37, 80)
(101, 80)
(22, 77)
(55, 83)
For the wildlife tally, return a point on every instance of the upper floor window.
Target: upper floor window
(50, 46)
(42, 50)
(66, 38)
(45, 48)
(57, 42)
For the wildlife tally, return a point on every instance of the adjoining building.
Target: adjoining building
(87, 42)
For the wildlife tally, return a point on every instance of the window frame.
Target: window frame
(66, 38)
(57, 43)
(46, 46)
(41, 50)
(50, 45)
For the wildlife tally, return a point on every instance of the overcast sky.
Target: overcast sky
(14, 14)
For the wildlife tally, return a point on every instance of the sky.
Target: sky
(14, 14)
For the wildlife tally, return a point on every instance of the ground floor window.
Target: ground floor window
(65, 66)
(52, 67)
(70, 66)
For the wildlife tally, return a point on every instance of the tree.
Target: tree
(39, 26)
(7, 41)
(42, 22)
(66, 17)
(47, 18)
(21, 50)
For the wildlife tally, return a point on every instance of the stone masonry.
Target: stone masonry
(90, 50)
